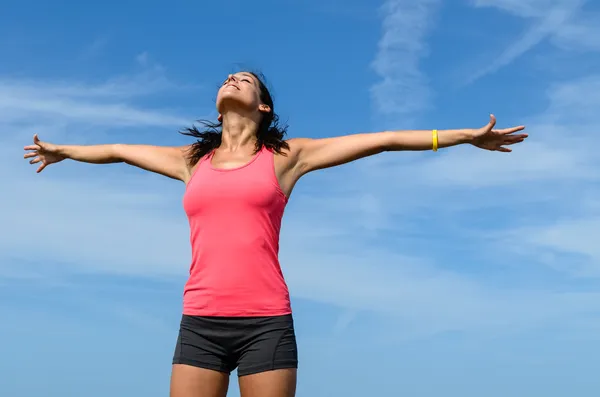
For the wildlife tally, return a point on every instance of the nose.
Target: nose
(231, 77)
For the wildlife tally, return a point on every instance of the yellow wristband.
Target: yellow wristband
(435, 140)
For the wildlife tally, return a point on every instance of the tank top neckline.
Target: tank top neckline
(212, 167)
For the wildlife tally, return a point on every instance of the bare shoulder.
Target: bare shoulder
(289, 156)
(179, 153)
(181, 157)
(297, 144)
(286, 157)
(185, 151)
(299, 150)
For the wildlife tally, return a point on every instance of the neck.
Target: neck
(238, 131)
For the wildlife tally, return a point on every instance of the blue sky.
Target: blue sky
(456, 273)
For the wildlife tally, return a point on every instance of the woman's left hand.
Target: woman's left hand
(491, 139)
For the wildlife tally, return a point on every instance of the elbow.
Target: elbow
(117, 153)
(389, 142)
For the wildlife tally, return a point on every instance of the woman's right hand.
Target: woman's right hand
(43, 152)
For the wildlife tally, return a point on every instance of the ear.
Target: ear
(264, 108)
(220, 118)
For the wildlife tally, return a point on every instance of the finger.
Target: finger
(503, 149)
(492, 123)
(514, 138)
(511, 138)
(32, 147)
(36, 139)
(510, 130)
(488, 127)
(30, 154)
(35, 160)
(40, 168)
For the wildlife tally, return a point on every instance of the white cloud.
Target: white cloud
(556, 170)
(575, 102)
(94, 224)
(95, 49)
(558, 149)
(403, 88)
(117, 221)
(85, 219)
(428, 299)
(534, 162)
(566, 241)
(568, 245)
(523, 8)
(582, 34)
(557, 20)
(103, 104)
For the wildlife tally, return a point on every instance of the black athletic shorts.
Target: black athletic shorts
(250, 344)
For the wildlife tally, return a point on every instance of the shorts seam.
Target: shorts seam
(201, 364)
(284, 333)
(268, 366)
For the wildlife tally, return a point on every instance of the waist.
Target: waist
(248, 300)
(236, 282)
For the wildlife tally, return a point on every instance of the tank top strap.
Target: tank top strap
(262, 159)
(265, 162)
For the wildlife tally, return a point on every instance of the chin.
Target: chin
(232, 102)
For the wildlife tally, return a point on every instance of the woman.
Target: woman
(239, 176)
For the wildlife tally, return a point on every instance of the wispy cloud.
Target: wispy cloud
(54, 109)
(549, 19)
(403, 89)
(93, 104)
(68, 222)
(426, 297)
(95, 49)
(113, 220)
(565, 241)
(582, 34)
(19, 105)
(523, 213)
(568, 245)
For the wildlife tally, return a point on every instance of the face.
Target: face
(240, 91)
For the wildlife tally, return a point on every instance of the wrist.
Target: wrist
(61, 150)
(466, 136)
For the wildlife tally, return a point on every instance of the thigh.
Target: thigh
(201, 361)
(190, 381)
(276, 383)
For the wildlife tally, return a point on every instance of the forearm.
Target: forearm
(423, 139)
(95, 154)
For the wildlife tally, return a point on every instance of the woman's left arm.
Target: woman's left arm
(314, 154)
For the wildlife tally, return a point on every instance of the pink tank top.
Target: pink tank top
(235, 218)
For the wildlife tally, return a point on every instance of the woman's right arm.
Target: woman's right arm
(167, 161)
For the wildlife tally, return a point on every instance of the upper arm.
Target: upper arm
(165, 160)
(314, 154)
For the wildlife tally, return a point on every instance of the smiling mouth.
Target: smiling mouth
(231, 85)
